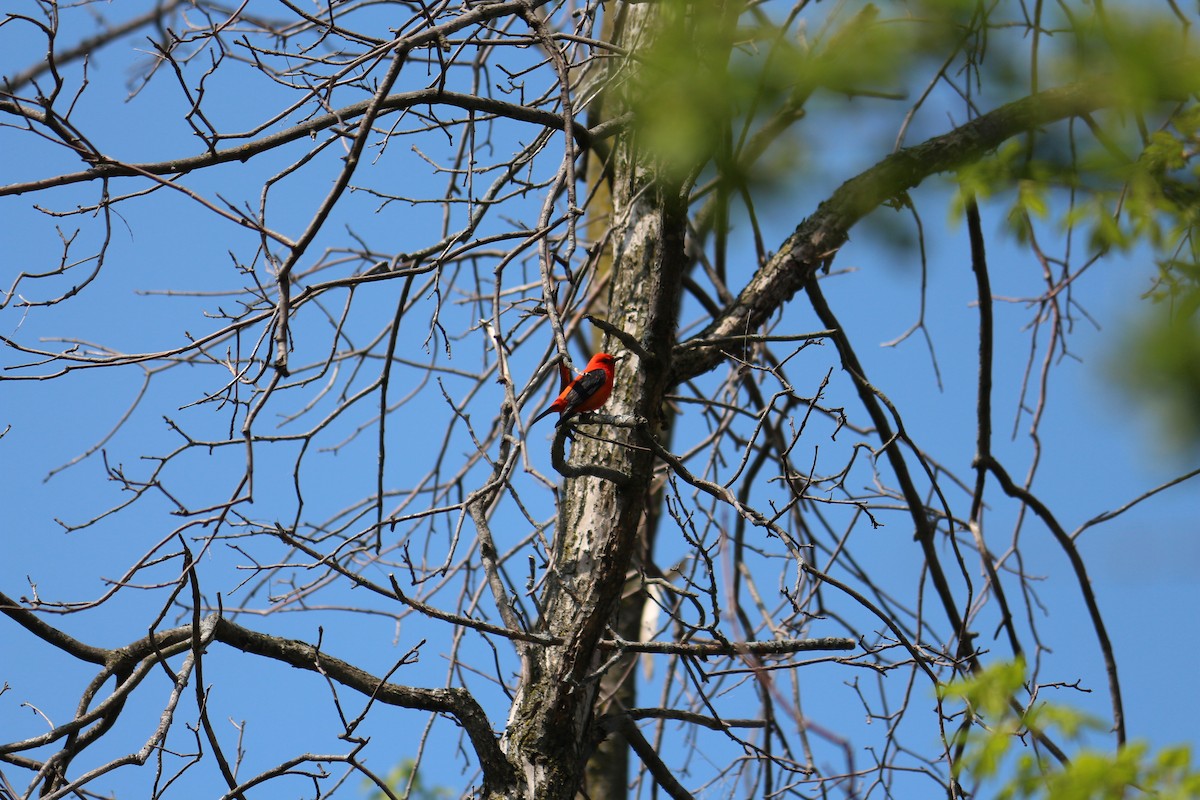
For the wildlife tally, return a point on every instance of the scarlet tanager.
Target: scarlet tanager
(587, 392)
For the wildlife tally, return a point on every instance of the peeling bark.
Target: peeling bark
(551, 732)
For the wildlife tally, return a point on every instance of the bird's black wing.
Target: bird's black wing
(583, 388)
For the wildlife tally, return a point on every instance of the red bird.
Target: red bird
(587, 392)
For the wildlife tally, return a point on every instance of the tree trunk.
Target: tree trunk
(602, 517)
(550, 733)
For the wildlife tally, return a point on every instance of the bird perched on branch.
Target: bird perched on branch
(590, 389)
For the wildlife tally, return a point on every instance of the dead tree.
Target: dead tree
(299, 275)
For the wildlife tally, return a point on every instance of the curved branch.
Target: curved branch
(1085, 585)
(244, 152)
(50, 634)
(558, 456)
(818, 238)
(456, 703)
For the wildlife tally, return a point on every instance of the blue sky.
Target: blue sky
(1100, 450)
